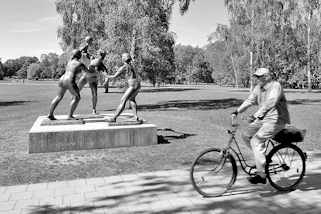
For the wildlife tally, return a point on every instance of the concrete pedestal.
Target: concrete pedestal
(88, 132)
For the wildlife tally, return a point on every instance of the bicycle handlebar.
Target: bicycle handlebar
(234, 120)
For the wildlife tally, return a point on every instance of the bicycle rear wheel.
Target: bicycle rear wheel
(285, 167)
(213, 172)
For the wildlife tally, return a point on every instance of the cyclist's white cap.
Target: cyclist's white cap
(261, 71)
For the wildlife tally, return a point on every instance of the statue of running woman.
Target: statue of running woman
(68, 82)
(133, 87)
(92, 75)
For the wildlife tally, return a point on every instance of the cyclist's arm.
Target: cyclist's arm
(271, 101)
(251, 100)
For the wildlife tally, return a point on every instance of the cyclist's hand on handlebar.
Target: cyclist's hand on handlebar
(234, 113)
(259, 115)
(233, 118)
(251, 119)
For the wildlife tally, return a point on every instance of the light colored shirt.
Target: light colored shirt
(271, 101)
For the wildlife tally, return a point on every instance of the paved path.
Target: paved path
(160, 192)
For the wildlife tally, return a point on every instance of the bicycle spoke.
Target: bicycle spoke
(286, 167)
(212, 173)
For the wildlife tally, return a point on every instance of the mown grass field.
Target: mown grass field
(198, 116)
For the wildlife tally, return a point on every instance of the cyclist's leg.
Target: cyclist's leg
(250, 131)
(268, 130)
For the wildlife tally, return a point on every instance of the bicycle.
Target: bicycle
(214, 171)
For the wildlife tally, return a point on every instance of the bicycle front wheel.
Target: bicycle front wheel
(285, 167)
(213, 172)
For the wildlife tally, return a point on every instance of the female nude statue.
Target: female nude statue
(68, 82)
(133, 87)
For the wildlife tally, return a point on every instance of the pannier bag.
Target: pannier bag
(290, 134)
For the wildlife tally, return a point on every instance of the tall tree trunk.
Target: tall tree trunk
(233, 65)
(251, 70)
(251, 51)
(133, 44)
(236, 76)
(309, 51)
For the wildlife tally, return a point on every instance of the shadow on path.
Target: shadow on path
(172, 192)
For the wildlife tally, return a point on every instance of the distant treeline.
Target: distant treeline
(49, 66)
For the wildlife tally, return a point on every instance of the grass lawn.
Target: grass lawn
(198, 116)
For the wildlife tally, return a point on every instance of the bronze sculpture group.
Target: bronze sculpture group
(89, 67)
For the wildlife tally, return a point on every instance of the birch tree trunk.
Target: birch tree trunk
(309, 51)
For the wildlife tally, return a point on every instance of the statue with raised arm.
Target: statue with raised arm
(91, 77)
(86, 57)
(132, 90)
(68, 82)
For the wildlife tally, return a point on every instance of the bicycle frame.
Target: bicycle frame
(238, 153)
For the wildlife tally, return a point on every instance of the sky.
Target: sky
(29, 27)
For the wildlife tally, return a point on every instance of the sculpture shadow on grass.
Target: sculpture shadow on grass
(192, 105)
(152, 90)
(13, 103)
(304, 101)
(164, 135)
(156, 90)
(174, 105)
(149, 189)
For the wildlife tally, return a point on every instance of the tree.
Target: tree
(310, 6)
(61, 66)
(49, 65)
(202, 71)
(184, 56)
(22, 72)
(1, 70)
(34, 71)
(11, 67)
(271, 34)
(139, 27)
(14, 65)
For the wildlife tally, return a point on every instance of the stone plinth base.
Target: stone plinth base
(89, 132)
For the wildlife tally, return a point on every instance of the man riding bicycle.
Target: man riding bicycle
(268, 120)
